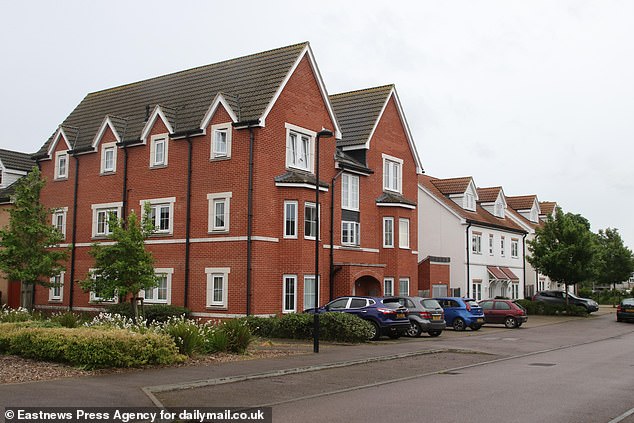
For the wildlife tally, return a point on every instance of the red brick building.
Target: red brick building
(225, 155)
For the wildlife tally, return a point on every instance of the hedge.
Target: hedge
(338, 327)
(152, 312)
(88, 348)
(547, 309)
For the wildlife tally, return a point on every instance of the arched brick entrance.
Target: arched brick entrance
(367, 285)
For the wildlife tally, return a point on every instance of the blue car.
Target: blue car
(386, 318)
(461, 313)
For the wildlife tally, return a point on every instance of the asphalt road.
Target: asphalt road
(577, 370)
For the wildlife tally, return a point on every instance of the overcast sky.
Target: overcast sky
(535, 96)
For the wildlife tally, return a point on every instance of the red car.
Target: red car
(505, 312)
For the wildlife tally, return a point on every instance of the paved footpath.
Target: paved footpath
(137, 388)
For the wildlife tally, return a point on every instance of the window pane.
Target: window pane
(403, 234)
(310, 221)
(217, 288)
(290, 222)
(162, 288)
(219, 211)
(159, 152)
(388, 232)
(164, 224)
(220, 143)
(289, 294)
(309, 291)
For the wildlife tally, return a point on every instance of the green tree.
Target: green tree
(563, 249)
(125, 267)
(26, 246)
(613, 262)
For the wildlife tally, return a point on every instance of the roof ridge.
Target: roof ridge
(363, 90)
(184, 71)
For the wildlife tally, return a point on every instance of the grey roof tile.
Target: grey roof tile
(357, 113)
(16, 160)
(250, 81)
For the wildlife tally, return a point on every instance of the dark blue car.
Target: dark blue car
(386, 318)
(461, 313)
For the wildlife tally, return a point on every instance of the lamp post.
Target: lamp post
(324, 133)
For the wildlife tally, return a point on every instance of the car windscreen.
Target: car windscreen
(519, 305)
(628, 301)
(393, 305)
(472, 303)
(433, 304)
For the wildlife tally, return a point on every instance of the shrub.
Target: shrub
(546, 309)
(9, 315)
(265, 327)
(238, 335)
(68, 319)
(294, 326)
(186, 334)
(215, 340)
(124, 309)
(164, 312)
(89, 348)
(344, 327)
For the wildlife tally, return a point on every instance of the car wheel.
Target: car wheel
(414, 330)
(376, 331)
(459, 324)
(476, 327)
(510, 322)
(434, 333)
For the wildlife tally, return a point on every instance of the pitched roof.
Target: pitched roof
(521, 202)
(357, 113)
(547, 207)
(452, 185)
(442, 188)
(488, 195)
(7, 193)
(16, 160)
(250, 83)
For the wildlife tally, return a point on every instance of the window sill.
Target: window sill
(218, 232)
(55, 301)
(161, 234)
(108, 173)
(65, 178)
(158, 166)
(101, 237)
(391, 247)
(217, 308)
(219, 159)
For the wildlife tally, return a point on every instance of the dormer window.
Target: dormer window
(534, 215)
(108, 158)
(61, 165)
(221, 141)
(498, 209)
(158, 151)
(469, 201)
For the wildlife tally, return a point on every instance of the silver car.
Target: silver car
(425, 315)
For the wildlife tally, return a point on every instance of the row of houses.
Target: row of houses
(230, 157)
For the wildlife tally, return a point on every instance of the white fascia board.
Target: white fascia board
(299, 185)
(515, 218)
(442, 203)
(102, 130)
(219, 99)
(320, 83)
(13, 171)
(158, 112)
(405, 206)
(58, 134)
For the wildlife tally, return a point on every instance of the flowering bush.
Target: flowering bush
(9, 315)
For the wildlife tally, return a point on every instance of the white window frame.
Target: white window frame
(350, 192)
(219, 197)
(295, 206)
(60, 212)
(354, 228)
(153, 142)
(168, 272)
(285, 279)
(476, 289)
(491, 244)
(388, 235)
(212, 273)
(310, 278)
(502, 246)
(388, 282)
(307, 205)
(476, 243)
(515, 290)
(403, 236)
(57, 296)
(515, 248)
(110, 146)
(221, 128)
(105, 207)
(155, 205)
(392, 166)
(299, 132)
(401, 282)
(61, 172)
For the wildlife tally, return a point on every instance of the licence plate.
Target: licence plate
(436, 317)
(480, 320)
(629, 310)
(400, 315)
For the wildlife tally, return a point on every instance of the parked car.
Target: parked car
(625, 310)
(425, 315)
(506, 312)
(461, 313)
(386, 318)
(559, 297)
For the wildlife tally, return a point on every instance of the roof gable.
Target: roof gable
(249, 85)
(14, 160)
(360, 112)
